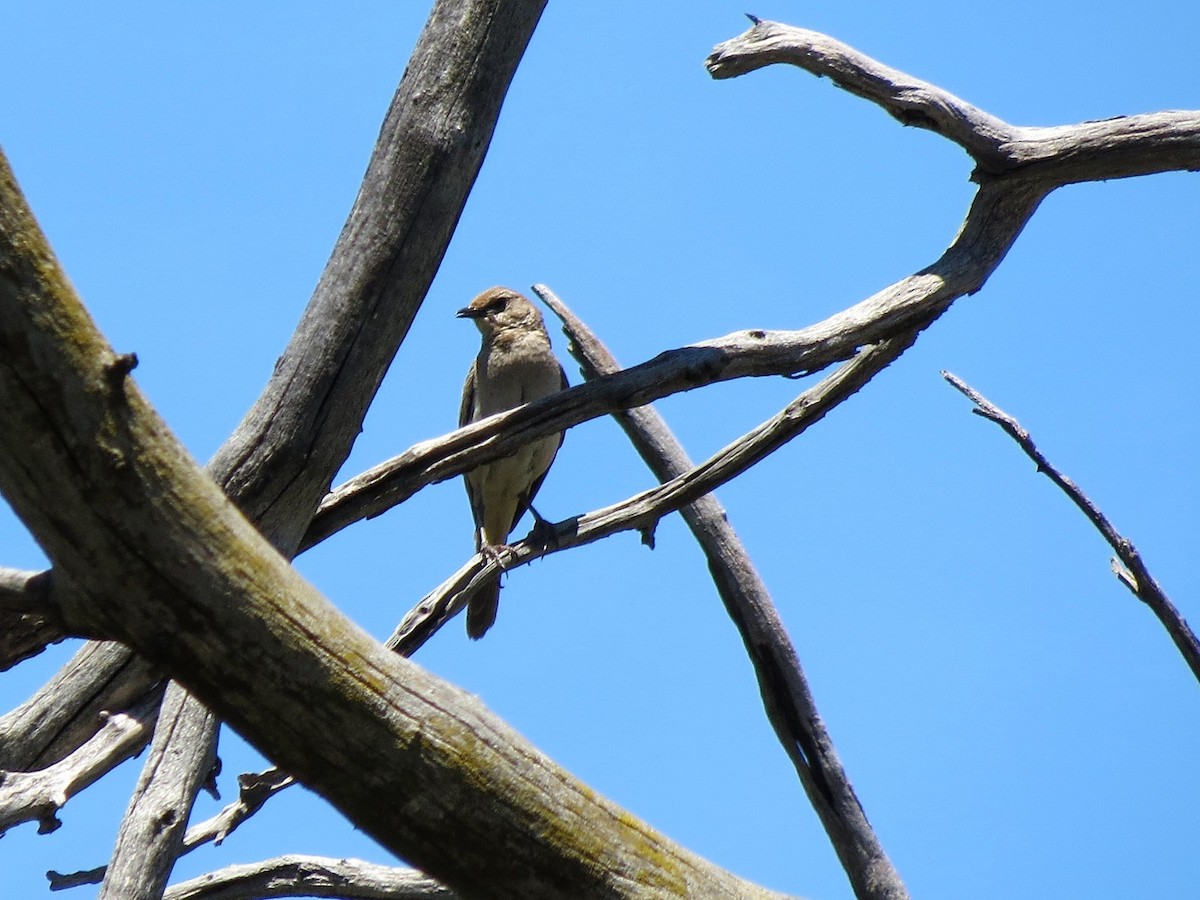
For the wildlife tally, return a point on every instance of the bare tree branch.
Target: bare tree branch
(997, 216)
(642, 511)
(164, 562)
(256, 788)
(787, 698)
(151, 835)
(39, 795)
(28, 622)
(1128, 565)
(282, 457)
(101, 679)
(311, 876)
(1090, 151)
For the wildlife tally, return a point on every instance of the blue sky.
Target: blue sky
(1014, 722)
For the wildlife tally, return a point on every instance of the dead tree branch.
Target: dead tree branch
(643, 511)
(311, 876)
(787, 699)
(254, 789)
(28, 622)
(995, 220)
(1120, 147)
(1128, 565)
(281, 459)
(164, 562)
(39, 795)
(150, 839)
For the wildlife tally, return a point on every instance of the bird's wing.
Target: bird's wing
(466, 415)
(467, 408)
(526, 499)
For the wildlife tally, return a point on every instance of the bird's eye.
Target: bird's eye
(496, 305)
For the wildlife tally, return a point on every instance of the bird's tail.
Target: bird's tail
(482, 609)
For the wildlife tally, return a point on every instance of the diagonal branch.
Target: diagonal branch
(39, 795)
(254, 789)
(1128, 566)
(993, 223)
(787, 698)
(642, 511)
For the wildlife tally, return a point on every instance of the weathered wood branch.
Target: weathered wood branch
(39, 795)
(909, 304)
(311, 876)
(29, 623)
(996, 217)
(282, 457)
(254, 789)
(643, 511)
(162, 560)
(101, 679)
(787, 699)
(1120, 147)
(1128, 566)
(150, 839)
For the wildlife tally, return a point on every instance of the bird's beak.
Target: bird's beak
(468, 313)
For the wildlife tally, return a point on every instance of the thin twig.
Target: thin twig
(1128, 565)
(254, 789)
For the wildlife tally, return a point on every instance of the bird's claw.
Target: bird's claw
(497, 553)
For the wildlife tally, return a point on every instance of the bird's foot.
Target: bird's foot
(500, 554)
(543, 532)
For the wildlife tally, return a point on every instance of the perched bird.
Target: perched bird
(515, 365)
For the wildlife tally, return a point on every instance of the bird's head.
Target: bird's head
(499, 309)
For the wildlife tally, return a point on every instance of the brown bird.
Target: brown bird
(515, 365)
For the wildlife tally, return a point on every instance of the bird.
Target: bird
(515, 365)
